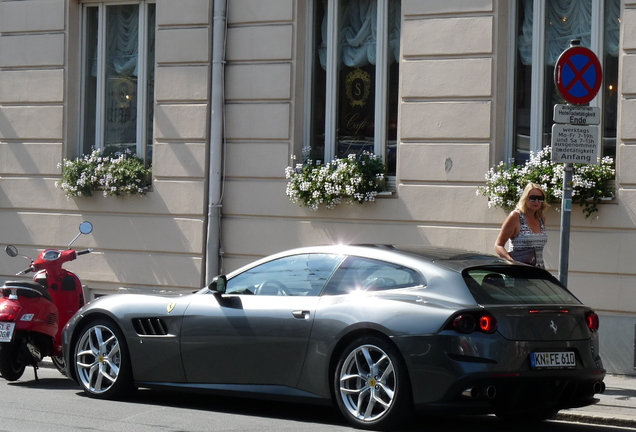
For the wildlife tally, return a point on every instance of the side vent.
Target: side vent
(51, 319)
(150, 326)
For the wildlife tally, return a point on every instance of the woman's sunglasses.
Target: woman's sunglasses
(534, 198)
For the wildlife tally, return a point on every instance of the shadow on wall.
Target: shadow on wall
(150, 249)
(616, 337)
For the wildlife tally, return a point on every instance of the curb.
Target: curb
(596, 420)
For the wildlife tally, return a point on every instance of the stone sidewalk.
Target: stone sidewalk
(617, 406)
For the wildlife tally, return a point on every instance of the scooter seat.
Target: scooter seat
(31, 289)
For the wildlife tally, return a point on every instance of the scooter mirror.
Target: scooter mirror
(86, 227)
(12, 251)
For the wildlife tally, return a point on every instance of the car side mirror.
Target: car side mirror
(218, 284)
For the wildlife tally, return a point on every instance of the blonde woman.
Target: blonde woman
(525, 226)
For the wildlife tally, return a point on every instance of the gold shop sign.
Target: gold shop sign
(358, 87)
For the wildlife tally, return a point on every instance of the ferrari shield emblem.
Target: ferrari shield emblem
(170, 306)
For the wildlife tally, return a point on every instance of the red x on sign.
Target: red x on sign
(578, 75)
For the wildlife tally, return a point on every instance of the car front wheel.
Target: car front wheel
(371, 384)
(101, 361)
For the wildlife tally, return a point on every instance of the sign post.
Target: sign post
(578, 76)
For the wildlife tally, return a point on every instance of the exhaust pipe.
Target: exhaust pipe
(472, 393)
(599, 387)
(475, 392)
(490, 392)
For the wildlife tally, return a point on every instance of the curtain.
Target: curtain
(567, 20)
(358, 33)
(122, 41)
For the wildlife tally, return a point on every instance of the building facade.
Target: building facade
(220, 96)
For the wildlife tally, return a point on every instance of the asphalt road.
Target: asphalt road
(55, 403)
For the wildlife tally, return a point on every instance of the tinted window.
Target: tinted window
(298, 275)
(515, 285)
(362, 274)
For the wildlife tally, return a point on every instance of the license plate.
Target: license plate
(552, 359)
(6, 331)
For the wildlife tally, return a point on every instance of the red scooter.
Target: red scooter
(33, 314)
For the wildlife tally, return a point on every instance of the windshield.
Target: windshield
(510, 285)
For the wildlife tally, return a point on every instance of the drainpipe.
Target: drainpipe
(215, 174)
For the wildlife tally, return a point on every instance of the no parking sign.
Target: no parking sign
(578, 75)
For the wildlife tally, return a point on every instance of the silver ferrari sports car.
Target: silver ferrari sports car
(380, 331)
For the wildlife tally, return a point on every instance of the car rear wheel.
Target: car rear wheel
(371, 384)
(101, 361)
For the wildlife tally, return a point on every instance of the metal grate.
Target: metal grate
(150, 327)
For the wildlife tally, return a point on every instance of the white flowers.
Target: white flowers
(591, 183)
(357, 179)
(121, 173)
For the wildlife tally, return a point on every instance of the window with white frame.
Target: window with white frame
(118, 78)
(352, 103)
(539, 43)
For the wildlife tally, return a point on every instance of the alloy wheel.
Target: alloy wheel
(367, 383)
(98, 359)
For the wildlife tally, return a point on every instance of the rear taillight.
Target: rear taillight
(592, 321)
(488, 323)
(9, 312)
(464, 323)
(468, 322)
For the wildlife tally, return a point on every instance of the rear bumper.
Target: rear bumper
(492, 393)
(443, 367)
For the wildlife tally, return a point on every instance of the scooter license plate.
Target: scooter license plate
(6, 331)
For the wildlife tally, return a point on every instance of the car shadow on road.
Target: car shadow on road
(245, 406)
(619, 393)
(327, 415)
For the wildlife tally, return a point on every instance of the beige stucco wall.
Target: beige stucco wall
(429, 202)
(151, 242)
(452, 110)
(452, 119)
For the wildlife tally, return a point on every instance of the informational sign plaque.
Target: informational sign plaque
(575, 144)
(576, 114)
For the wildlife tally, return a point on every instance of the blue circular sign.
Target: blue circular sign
(578, 75)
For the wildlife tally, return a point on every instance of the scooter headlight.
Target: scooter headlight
(51, 255)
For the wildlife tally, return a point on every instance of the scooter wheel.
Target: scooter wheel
(59, 363)
(11, 368)
(101, 361)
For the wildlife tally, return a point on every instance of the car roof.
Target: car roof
(451, 258)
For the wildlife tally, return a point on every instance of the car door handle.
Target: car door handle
(301, 314)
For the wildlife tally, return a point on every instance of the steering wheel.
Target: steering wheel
(265, 288)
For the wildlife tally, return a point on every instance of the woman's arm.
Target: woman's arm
(509, 229)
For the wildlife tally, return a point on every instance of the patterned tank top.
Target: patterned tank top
(528, 239)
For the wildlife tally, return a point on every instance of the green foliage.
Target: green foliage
(353, 180)
(591, 183)
(114, 175)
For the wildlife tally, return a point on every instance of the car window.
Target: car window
(363, 274)
(296, 275)
(516, 285)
